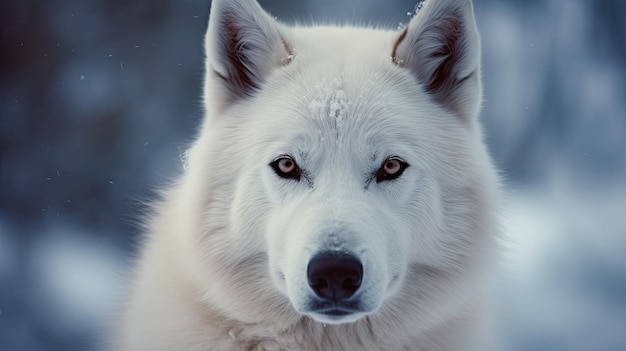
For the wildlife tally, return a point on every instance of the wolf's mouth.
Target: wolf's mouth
(336, 316)
(330, 307)
(336, 313)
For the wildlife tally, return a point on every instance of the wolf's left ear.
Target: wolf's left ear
(243, 45)
(441, 47)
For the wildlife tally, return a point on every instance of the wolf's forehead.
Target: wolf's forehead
(338, 96)
(330, 103)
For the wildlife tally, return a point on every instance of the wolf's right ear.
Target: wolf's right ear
(243, 44)
(441, 48)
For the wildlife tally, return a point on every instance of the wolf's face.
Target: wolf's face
(343, 186)
(358, 148)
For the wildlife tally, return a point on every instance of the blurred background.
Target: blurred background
(99, 98)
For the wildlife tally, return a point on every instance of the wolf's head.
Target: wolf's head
(344, 167)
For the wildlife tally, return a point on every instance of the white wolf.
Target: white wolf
(338, 197)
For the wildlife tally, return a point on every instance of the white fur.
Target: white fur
(224, 264)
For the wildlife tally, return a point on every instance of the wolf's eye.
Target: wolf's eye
(392, 168)
(286, 167)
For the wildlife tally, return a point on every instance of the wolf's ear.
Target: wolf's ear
(441, 47)
(243, 44)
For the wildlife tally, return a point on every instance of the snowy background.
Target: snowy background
(98, 99)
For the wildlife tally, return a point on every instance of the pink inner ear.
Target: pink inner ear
(394, 53)
(290, 53)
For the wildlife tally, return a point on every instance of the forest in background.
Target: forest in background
(99, 99)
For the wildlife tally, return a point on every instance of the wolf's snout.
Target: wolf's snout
(334, 276)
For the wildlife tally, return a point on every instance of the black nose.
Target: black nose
(334, 276)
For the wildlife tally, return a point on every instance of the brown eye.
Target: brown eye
(392, 168)
(286, 167)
